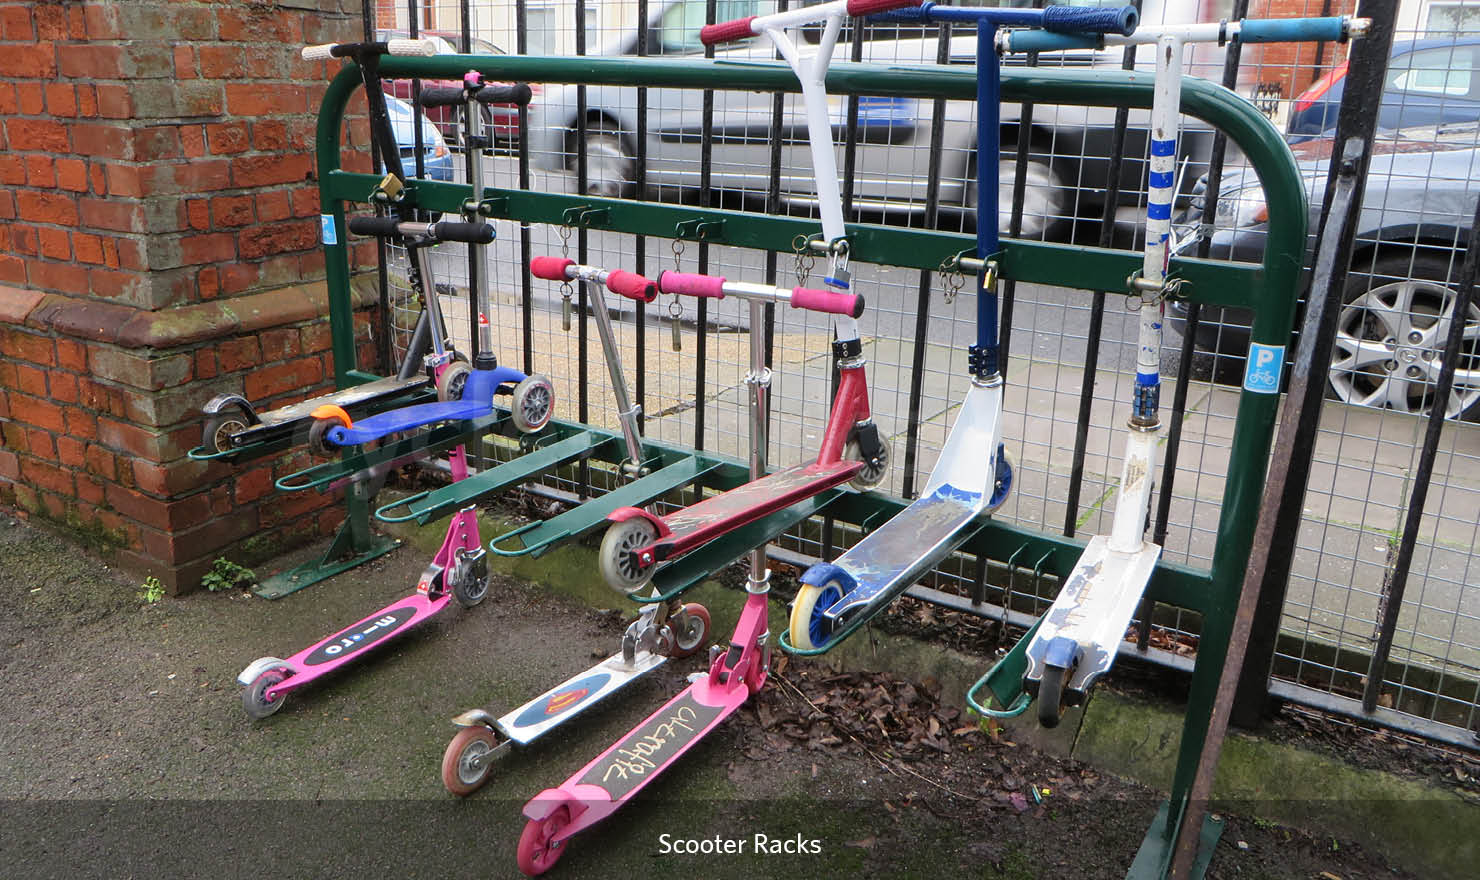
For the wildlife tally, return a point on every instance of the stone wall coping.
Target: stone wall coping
(116, 324)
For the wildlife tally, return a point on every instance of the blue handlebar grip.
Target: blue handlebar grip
(1293, 30)
(1080, 20)
(907, 15)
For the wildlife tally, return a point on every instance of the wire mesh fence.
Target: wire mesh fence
(912, 162)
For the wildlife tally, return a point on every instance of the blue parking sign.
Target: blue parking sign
(1262, 373)
(327, 231)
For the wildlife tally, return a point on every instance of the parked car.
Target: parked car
(436, 158)
(1428, 82)
(1068, 159)
(1412, 233)
(503, 119)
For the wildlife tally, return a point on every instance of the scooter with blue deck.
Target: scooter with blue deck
(973, 475)
(1077, 640)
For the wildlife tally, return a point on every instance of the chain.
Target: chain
(675, 308)
(954, 278)
(566, 291)
(805, 259)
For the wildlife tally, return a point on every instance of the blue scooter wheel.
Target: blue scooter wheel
(810, 630)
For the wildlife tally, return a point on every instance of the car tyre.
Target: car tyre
(611, 169)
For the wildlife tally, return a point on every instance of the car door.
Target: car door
(1432, 85)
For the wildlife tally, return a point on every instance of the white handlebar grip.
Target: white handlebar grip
(411, 47)
(318, 53)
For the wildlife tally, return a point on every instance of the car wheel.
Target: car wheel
(610, 166)
(1390, 338)
(1044, 197)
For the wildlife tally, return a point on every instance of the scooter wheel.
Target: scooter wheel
(254, 695)
(1051, 696)
(533, 404)
(1002, 484)
(470, 589)
(536, 853)
(451, 382)
(872, 474)
(809, 629)
(219, 428)
(464, 764)
(617, 566)
(694, 629)
(318, 437)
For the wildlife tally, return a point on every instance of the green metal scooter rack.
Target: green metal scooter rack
(1268, 290)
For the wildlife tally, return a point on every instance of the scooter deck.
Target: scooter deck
(887, 561)
(347, 398)
(568, 699)
(350, 643)
(406, 418)
(643, 754)
(331, 475)
(718, 514)
(1094, 608)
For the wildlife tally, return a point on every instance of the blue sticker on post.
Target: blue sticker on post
(326, 229)
(1262, 373)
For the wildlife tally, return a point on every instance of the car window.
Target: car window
(1445, 71)
(678, 29)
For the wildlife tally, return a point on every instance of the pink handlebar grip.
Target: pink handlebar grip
(691, 284)
(631, 285)
(550, 268)
(725, 31)
(850, 304)
(870, 7)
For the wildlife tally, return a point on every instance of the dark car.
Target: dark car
(1428, 82)
(1412, 233)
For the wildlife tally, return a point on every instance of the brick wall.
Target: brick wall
(1293, 65)
(159, 246)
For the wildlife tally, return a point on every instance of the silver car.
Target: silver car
(1411, 237)
(1068, 163)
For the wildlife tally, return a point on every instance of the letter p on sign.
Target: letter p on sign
(1265, 364)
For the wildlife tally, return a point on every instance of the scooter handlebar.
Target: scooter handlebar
(1295, 30)
(325, 51)
(470, 233)
(831, 302)
(871, 7)
(1083, 20)
(1059, 19)
(726, 31)
(691, 284)
(631, 285)
(442, 96)
(514, 93)
(551, 268)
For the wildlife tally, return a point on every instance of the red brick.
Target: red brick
(63, 387)
(10, 466)
(97, 179)
(87, 100)
(172, 479)
(51, 22)
(71, 451)
(101, 140)
(205, 364)
(253, 484)
(81, 423)
(254, 99)
(30, 98)
(55, 244)
(15, 436)
(24, 239)
(40, 413)
(282, 378)
(208, 282)
(31, 380)
(41, 443)
(279, 345)
(61, 99)
(47, 208)
(227, 137)
(239, 354)
(138, 506)
(46, 475)
(158, 142)
(71, 174)
(316, 338)
(28, 347)
(253, 171)
(306, 202)
(15, 23)
(114, 101)
(215, 247)
(232, 211)
(12, 171)
(270, 135)
(61, 277)
(237, 277)
(130, 438)
(115, 214)
(37, 134)
(100, 461)
(258, 25)
(71, 355)
(193, 141)
(90, 492)
(198, 212)
(273, 205)
(12, 269)
(40, 172)
(278, 238)
(185, 63)
(8, 105)
(34, 62)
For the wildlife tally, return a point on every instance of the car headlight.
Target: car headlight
(1241, 208)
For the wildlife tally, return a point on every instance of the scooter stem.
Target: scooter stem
(474, 146)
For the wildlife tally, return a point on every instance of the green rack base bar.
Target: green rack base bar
(1267, 290)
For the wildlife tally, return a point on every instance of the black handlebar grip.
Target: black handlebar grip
(517, 93)
(442, 96)
(376, 226)
(472, 233)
